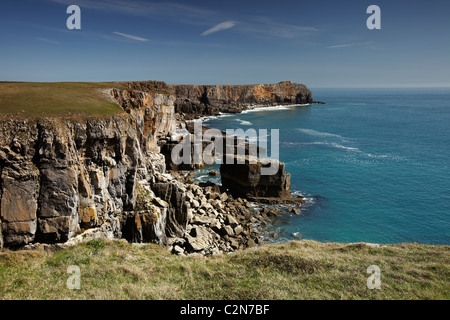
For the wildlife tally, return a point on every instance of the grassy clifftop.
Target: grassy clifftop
(53, 99)
(295, 270)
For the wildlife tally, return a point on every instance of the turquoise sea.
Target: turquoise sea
(373, 164)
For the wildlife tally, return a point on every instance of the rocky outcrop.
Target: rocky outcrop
(256, 178)
(196, 100)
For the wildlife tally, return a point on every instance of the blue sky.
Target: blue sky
(321, 43)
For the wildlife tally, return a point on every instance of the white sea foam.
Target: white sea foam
(205, 119)
(308, 198)
(224, 115)
(244, 123)
(349, 149)
(385, 156)
(328, 144)
(219, 116)
(272, 108)
(317, 133)
(340, 146)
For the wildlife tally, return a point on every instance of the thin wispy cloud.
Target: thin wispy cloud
(341, 46)
(130, 36)
(220, 27)
(47, 40)
(249, 25)
(192, 43)
(367, 44)
(263, 27)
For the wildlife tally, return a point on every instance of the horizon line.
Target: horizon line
(412, 86)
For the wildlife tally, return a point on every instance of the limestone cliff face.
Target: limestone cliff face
(192, 101)
(154, 115)
(58, 178)
(210, 100)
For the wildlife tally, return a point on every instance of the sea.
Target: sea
(372, 164)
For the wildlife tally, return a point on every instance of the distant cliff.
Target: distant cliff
(195, 100)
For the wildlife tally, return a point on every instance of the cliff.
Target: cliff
(68, 177)
(192, 101)
(61, 177)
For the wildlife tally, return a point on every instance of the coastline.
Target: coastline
(114, 268)
(201, 219)
(129, 223)
(276, 209)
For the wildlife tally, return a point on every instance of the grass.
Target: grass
(295, 270)
(30, 99)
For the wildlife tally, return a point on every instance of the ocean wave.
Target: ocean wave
(340, 146)
(385, 156)
(317, 133)
(321, 143)
(349, 149)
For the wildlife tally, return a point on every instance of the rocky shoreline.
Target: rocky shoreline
(67, 182)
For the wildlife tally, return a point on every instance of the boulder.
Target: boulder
(294, 210)
(227, 230)
(231, 221)
(238, 230)
(178, 250)
(223, 197)
(234, 243)
(199, 238)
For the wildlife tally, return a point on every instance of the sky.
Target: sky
(321, 43)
